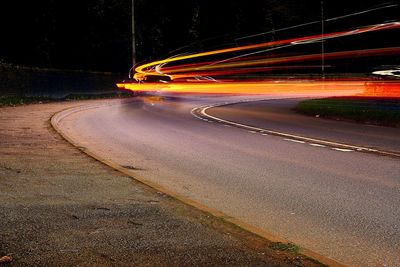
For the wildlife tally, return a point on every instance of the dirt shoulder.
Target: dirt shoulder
(60, 207)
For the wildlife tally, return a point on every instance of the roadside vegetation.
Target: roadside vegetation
(98, 96)
(23, 100)
(371, 110)
(289, 247)
(292, 249)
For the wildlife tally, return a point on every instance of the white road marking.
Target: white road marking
(312, 141)
(317, 145)
(342, 149)
(295, 141)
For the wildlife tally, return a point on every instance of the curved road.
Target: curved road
(344, 205)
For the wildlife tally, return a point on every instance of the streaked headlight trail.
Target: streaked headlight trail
(190, 73)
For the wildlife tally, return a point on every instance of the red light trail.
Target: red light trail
(181, 74)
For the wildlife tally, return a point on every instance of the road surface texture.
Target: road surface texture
(343, 204)
(59, 207)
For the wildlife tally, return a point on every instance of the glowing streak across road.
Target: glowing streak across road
(146, 69)
(189, 77)
(279, 60)
(299, 87)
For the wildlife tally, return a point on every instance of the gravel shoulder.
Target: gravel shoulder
(60, 207)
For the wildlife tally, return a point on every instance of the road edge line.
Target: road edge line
(60, 115)
(202, 111)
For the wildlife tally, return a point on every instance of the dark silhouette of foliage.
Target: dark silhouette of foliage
(96, 34)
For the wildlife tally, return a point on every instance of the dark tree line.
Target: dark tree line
(96, 34)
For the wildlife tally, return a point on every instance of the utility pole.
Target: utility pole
(322, 41)
(133, 35)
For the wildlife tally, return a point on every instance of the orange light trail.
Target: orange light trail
(299, 87)
(271, 61)
(146, 69)
(190, 77)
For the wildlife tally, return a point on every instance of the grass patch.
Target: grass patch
(97, 96)
(23, 100)
(288, 247)
(379, 111)
(293, 249)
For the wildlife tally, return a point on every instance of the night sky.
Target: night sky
(96, 35)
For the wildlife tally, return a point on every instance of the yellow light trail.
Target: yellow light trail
(300, 87)
(193, 77)
(149, 68)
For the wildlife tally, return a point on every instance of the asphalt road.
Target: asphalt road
(344, 205)
(61, 208)
(278, 115)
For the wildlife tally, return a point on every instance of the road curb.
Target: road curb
(59, 116)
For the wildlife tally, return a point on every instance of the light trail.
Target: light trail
(279, 60)
(195, 73)
(144, 70)
(286, 87)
